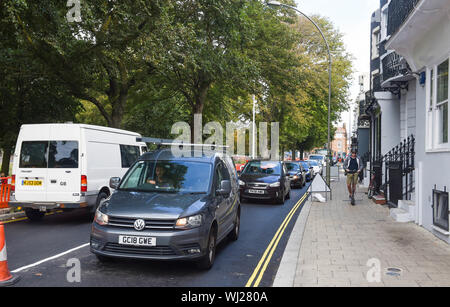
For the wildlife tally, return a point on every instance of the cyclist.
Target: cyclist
(353, 166)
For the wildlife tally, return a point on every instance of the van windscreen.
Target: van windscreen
(49, 154)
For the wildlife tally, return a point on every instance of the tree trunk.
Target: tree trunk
(6, 158)
(199, 103)
(197, 109)
(118, 112)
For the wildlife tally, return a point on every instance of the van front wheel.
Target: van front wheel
(34, 215)
(100, 198)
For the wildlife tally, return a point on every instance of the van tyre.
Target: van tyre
(207, 261)
(100, 198)
(34, 215)
(234, 234)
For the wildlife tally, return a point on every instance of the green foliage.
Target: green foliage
(27, 93)
(144, 65)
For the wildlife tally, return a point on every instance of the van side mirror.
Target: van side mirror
(225, 188)
(114, 183)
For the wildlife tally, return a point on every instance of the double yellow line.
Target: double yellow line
(267, 256)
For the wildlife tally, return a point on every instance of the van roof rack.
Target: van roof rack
(168, 142)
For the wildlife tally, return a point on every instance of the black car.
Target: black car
(297, 174)
(169, 208)
(265, 180)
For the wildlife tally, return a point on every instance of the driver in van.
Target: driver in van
(159, 180)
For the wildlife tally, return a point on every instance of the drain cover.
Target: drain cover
(393, 271)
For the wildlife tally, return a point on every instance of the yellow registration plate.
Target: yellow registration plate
(32, 182)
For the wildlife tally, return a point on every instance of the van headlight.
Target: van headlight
(190, 222)
(101, 218)
(241, 183)
(275, 185)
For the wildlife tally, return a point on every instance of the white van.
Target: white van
(67, 166)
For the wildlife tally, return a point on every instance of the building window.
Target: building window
(440, 209)
(437, 106)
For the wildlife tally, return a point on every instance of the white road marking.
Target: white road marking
(50, 258)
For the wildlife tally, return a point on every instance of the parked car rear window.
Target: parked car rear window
(33, 154)
(317, 158)
(129, 154)
(305, 165)
(263, 167)
(313, 163)
(293, 167)
(168, 176)
(49, 154)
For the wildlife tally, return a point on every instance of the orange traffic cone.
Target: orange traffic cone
(6, 279)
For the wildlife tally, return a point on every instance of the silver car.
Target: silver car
(169, 208)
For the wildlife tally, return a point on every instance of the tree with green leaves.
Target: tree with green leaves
(102, 57)
(27, 94)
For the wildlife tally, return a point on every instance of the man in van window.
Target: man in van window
(159, 180)
(352, 166)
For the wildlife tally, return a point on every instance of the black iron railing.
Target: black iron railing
(399, 170)
(398, 12)
(392, 67)
(394, 172)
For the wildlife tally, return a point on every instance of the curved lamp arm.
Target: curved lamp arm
(277, 3)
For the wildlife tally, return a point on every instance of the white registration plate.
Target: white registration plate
(256, 191)
(137, 241)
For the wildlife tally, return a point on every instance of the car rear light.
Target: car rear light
(83, 183)
(13, 183)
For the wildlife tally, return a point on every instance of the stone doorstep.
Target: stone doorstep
(379, 200)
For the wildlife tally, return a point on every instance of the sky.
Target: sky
(352, 18)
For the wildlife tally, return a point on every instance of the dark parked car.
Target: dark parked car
(265, 180)
(169, 208)
(297, 174)
(309, 170)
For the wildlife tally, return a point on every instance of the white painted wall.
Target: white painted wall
(403, 118)
(390, 120)
(424, 42)
(411, 109)
(435, 168)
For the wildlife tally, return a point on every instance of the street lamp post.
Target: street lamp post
(254, 129)
(276, 3)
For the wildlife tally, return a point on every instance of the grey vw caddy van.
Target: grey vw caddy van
(169, 208)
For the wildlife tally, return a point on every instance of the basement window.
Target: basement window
(440, 209)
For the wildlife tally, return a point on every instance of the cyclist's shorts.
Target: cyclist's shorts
(352, 178)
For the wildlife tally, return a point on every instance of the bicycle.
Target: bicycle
(372, 185)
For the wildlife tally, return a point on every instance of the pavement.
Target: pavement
(336, 244)
(8, 214)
